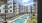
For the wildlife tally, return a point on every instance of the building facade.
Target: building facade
(29, 11)
(7, 8)
(35, 6)
(23, 9)
(16, 7)
(2, 8)
(10, 5)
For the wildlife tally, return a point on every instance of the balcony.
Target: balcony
(6, 7)
(14, 5)
(14, 2)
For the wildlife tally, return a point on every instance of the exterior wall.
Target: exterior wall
(11, 4)
(2, 10)
(29, 8)
(23, 9)
(16, 7)
(26, 9)
(17, 10)
(9, 15)
(35, 1)
(35, 8)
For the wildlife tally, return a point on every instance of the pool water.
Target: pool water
(19, 21)
(25, 16)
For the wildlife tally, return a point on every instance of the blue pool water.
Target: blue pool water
(19, 21)
(25, 16)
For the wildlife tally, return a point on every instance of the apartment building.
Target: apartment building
(32, 8)
(29, 8)
(29, 11)
(35, 6)
(2, 6)
(23, 9)
(10, 5)
(9, 9)
(16, 7)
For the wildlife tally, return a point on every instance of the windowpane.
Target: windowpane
(10, 6)
(10, 2)
(34, 4)
(6, 6)
(6, 11)
(10, 10)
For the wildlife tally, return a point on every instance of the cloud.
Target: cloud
(31, 3)
(28, 4)
(25, 0)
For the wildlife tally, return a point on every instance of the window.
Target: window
(34, 4)
(14, 2)
(6, 6)
(10, 6)
(10, 2)
(10, 10)
(6, 11)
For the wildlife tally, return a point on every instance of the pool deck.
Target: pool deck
(10, 20)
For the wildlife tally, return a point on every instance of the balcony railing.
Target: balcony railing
(14, 2)
(6, 7)
(14, 5)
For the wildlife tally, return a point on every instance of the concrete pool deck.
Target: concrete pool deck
(12, 19)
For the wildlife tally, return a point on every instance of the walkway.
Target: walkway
(9, 20)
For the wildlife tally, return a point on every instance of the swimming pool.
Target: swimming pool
(19, 21)
(25, 16)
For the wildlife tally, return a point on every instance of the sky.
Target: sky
(25, 2)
